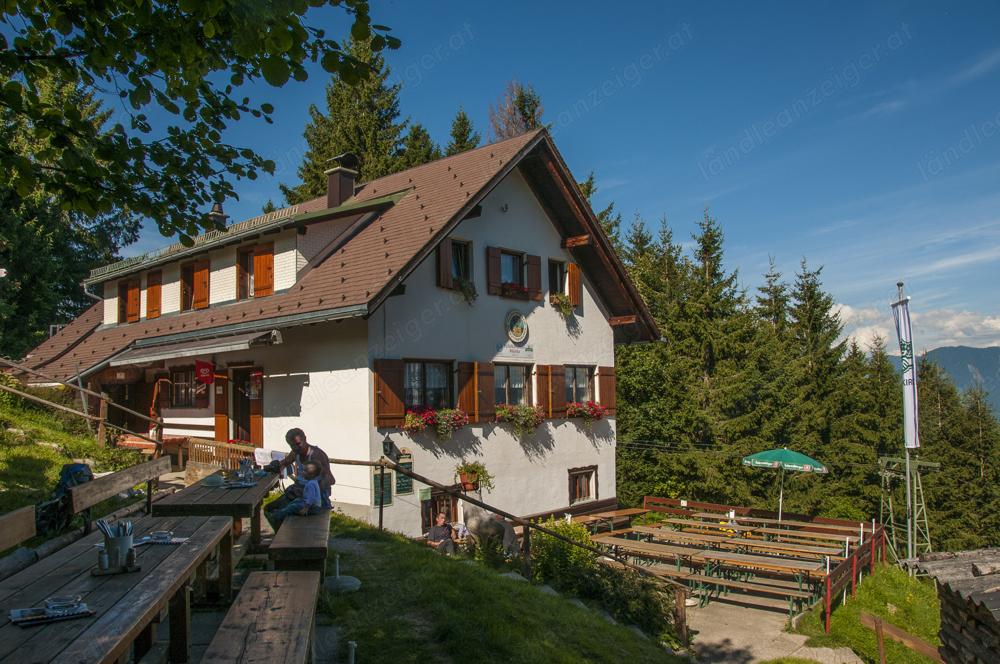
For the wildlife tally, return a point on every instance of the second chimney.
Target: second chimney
(340, 180)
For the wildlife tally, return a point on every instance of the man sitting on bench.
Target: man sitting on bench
(440, 537)
(302, 452)
(311, 501)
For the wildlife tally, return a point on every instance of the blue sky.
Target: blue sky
(864, 137)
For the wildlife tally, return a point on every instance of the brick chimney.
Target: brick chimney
(340, 179)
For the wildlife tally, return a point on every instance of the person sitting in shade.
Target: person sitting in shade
(312, 499)
(301, 453)
(440, 536)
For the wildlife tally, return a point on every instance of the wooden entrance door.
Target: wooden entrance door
(248, 405)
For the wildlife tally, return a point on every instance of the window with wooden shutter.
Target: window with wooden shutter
(200, 394)
(257, 408)
(444, 264)
(263, 270)
(573, 276)
(606, 388)
(493, 274)
(199, 299)
(154, 287)
(467, 390)
(542, 389)
(534, 284)
(389, 408)
(484, 386)
(557, 390)
(221, 406)
(128, 301)
(187, 286)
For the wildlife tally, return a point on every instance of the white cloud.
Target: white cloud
(983, 66)
(932, 329)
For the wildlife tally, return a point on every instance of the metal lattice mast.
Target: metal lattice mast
(922, 530)
(888, 472)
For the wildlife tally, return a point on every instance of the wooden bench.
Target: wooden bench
(700, 581)
(272, 620)
(17, 526)
(85, 496)
(302, 543)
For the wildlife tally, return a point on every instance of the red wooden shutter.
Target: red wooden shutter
(606, 388)
(542, 376)
(444, 276)
(257, 412)
(154, 286)
(493, 277)
(484, 385)
(390, 409)
(200, 285)
(263, 270)
(133, 300)
(557, 390)
(221, 406)
(573, 272)
(467, 389)
(122, 302)
(534, 264)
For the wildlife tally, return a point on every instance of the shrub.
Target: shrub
(559, 563)
(564, 305)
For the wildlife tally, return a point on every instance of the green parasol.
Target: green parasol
(784, 458)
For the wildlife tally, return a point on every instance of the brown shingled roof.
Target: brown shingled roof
(374, 255)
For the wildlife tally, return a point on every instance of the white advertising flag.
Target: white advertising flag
(901, 312)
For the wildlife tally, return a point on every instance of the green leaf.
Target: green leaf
(185, 240)
(360, 31)
(275, 71)
(267, 108)
(209, 29)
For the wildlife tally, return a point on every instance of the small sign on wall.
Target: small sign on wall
(511, 350)
(404, 483)
(383, 496)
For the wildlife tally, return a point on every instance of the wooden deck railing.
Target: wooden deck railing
(225, 455)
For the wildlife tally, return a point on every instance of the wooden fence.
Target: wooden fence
(224, 455)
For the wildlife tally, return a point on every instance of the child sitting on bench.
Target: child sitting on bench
(310, 502)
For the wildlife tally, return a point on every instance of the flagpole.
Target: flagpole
(781, 494)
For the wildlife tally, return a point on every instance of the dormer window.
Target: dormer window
(256, 271)
(194, 286)
(128, 301)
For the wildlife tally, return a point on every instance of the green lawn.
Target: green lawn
(917, 613)
(416, 605)
(28, 471)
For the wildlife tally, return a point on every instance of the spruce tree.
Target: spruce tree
(418, 148)
(361, 118)
(610, 221)
(462, 135)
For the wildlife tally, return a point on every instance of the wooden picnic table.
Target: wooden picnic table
(801, 550)
(652, 550)
(810, 524)
(608, 518)
(706, 540)
(784, 532)
(200, 500)
(738, 518)
(687, 523)
(715, 559)
(127, 606)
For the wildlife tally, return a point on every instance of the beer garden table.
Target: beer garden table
(608, 518)
(201, 500)
(715, 559)
(127, 606)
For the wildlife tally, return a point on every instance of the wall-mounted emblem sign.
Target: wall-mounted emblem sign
(517, 326)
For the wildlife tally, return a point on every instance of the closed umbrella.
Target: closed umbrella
(784, 458)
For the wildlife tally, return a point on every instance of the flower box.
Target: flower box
(513, 291)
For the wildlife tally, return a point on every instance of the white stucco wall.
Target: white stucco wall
(111, 303)
(170, 291)
(431, 323)
(317, 380)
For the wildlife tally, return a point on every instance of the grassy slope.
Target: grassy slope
(416, 605)
(918, 614)
(28, 472)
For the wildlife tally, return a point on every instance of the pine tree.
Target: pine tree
(772, 300)
(462, 135)
(48, 251)
(418, 148)
(361, 118)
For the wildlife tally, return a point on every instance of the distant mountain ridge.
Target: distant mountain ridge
(963, 363)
